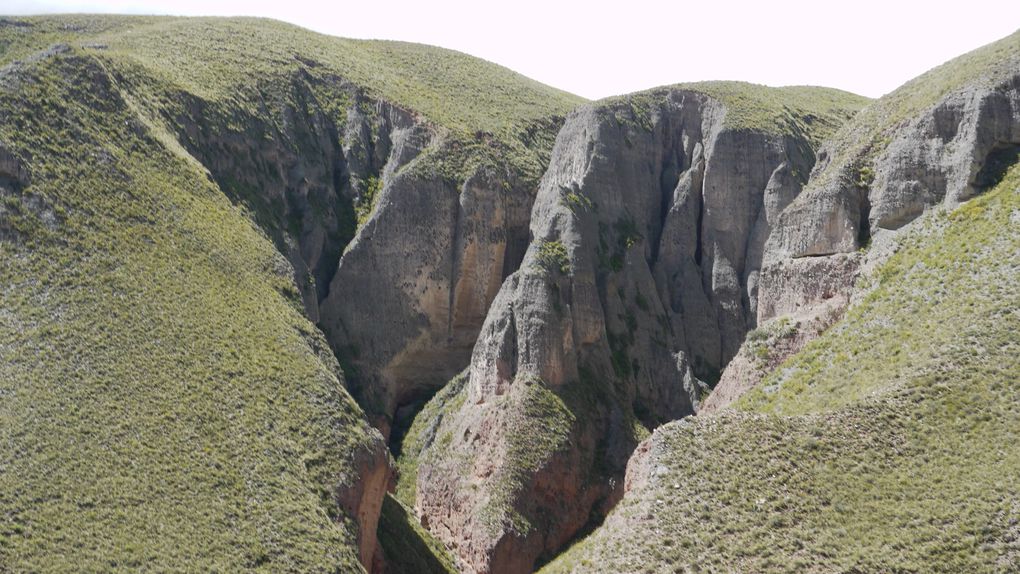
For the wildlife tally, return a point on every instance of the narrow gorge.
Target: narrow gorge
(277, 301)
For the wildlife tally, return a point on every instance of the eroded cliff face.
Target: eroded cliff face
(399, 233)
(396, 246)
(861, 194)
(411, 291)
(952, 151)
(189, 342)
(640, 282)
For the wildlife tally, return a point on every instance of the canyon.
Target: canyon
(276, 300)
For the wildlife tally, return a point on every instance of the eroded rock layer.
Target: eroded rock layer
(904, 155)
(399, 232)
(638, 285)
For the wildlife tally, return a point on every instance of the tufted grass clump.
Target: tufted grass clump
(553, 257)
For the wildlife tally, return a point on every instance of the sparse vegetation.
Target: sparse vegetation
(423, 434)
(813, 111)
(872, 130)
(541, 427)
(407, 547)
(553, 257)
(577, 202)
(165, 404)
(366, 200)
(761, 339)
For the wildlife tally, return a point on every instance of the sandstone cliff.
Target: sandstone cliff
(400, 233)
(638, 285)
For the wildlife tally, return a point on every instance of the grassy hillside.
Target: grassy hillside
(216, 58)
(814, 112)
(164, 403)
(887, 445)
(240, 67)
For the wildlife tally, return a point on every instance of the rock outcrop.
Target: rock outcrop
(638, 285)
(900, 157)
(849, 458)
(399, 232)
(305, 173)
(411, 291)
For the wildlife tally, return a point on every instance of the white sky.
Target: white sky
(599, 49)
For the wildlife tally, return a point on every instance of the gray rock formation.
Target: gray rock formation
(412, 288)
(944, 155)
(302, 173)
(396, 254)
(641, 278)
(874, 178)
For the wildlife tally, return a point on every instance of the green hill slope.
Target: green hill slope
(873, 129)
(885, 446)
(216, 57)
(811, 112)
(164, 402)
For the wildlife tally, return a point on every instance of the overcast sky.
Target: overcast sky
(600, 49)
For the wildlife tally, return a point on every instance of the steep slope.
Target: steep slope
(938, 140)
(647, 235)
(396, 178)
(148, 323)
(407, 548)
(886, 445)
(164, 402)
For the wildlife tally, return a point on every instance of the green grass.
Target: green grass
(407, 547)
(164, 403)
(887, 445)
(424, 435)
(553, 257)
(812, 111)
(241, 71)
(540, 425)
(217, 57)
(944, 299)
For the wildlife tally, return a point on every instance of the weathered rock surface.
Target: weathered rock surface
(360, 495)
(303, 169)
(397, 260)
(397, 230)
(811, 472)
(639, 283)
(946, 154)
(13, 173)
(412, 289)
(797, 286)
(875, 177)
(768, 346)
